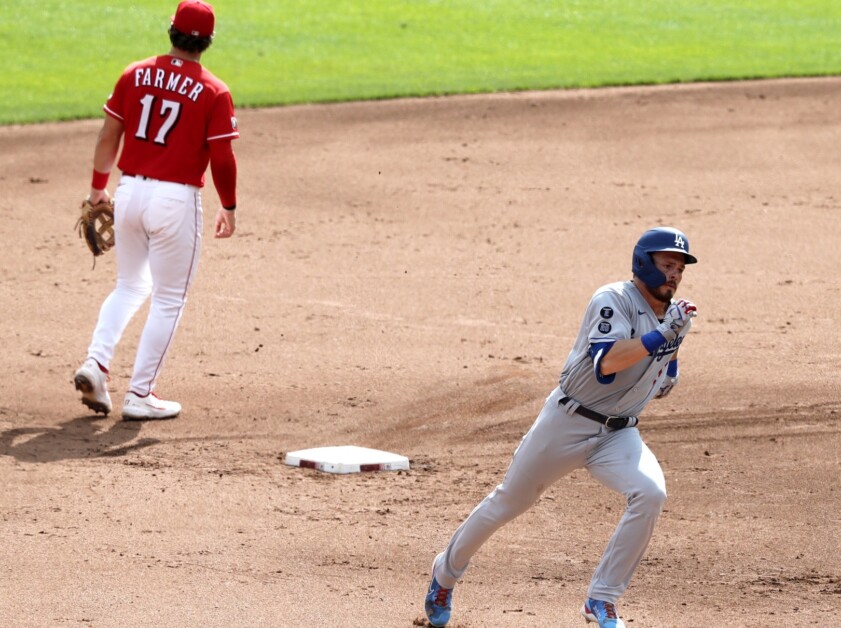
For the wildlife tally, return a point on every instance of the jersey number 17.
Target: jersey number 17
(169, 109)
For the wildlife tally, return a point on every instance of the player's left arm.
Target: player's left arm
(670, 382)
(104, 157)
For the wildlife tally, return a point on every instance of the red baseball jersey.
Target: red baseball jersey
(171, 109)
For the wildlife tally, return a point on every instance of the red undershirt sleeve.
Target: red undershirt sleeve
(223, 167)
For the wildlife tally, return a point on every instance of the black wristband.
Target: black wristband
(230, 209)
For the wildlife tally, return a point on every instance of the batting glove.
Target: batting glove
(666, 388)
(676, 316)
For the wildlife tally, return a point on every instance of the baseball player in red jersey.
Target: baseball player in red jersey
(174, 117)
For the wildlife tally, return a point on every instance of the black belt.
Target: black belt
(612, 422)
(145, 178)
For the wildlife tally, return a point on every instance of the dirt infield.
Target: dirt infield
(410, 275)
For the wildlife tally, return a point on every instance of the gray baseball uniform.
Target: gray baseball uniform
(560, 441)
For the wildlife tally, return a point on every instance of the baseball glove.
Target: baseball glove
(96, 225)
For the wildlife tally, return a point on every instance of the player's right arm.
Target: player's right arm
(609, 330)
(223, 167)
(627, 352)
(222, 130)
(621, 355)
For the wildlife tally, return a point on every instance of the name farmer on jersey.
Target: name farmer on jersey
(169, 81)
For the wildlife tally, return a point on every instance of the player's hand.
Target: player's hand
(666, 388)
(677, 314)
(98, 196)
(226, 223)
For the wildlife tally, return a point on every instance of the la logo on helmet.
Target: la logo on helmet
(679, 243)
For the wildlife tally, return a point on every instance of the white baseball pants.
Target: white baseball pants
(557, 444)
(158, 231)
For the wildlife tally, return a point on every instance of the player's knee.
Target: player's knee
(167, 298)
(507, 505)
(649, 499)
(134, 288)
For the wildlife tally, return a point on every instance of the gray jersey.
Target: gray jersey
(616, 311)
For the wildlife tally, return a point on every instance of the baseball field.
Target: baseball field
(409, 274)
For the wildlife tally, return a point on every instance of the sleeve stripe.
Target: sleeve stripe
(219, 137)
(112, 113)
(597, 352)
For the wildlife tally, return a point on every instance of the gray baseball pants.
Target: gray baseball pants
(556, 444)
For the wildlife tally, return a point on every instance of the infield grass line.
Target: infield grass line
(62, 57)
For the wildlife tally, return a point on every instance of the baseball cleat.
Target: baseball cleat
(150, 407)
(93, 384)
(438, 604)
(602, 613)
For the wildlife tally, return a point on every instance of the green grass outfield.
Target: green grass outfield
(60, 58)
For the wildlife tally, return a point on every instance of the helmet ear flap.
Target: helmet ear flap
(642, 265)
(638, 263)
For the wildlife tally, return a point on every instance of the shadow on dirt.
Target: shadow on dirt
(82, 437)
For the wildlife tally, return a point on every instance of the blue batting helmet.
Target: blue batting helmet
(659, 239)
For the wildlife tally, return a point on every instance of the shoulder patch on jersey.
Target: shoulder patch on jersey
(233, 122)
(606, 312)
(604, 327)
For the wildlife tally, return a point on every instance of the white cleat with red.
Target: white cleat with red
(93, 384)
(137, 408)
